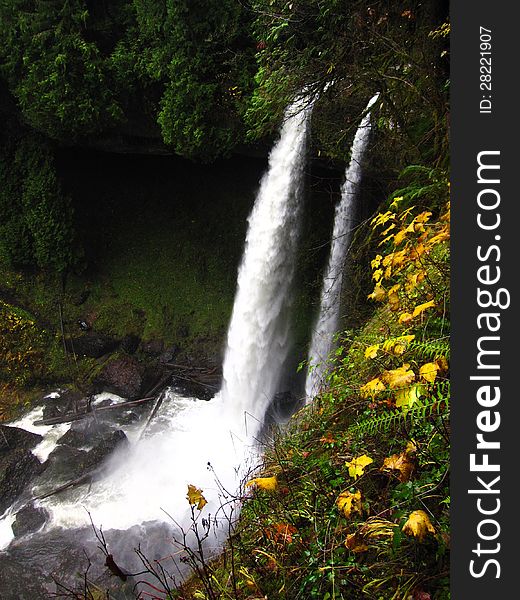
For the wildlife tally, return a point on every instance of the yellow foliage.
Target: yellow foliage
(418, 525)
(349, 503)
(264, 483)
(429, 371)
(356, 543)
(397, 345)
(405, 398)
(356, 467)
(376, 261)
(381, 219)
(371, 351)
(404, 318)
(397, 378)
(418, 310)
(403, 463)
(195, 496)
(372, 388)
(378, 294)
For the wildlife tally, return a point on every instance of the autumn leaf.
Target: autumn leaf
(407, 397)
(281, 533)
(327, 439)
(371, 351)
(195, 497)
(356, 467)
(397, 345)
(442, 363)
(393, 297)
(355, 543)
(397, 378)
(403, 463)
(377, 274)
(381, 219)
(404, 318)
(372, 388)
(376, 261)
(422, 307)
(399, 237)
(349, 503)
(378, 294)
(264, 483)
(429, 371)
(418, 525)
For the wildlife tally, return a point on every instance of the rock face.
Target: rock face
(17, 463)
(122, 376)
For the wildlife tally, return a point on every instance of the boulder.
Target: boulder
(29, 519)
(122, 376)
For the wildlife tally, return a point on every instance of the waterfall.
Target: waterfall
(187, 434)
(328, 319)
(257, 342)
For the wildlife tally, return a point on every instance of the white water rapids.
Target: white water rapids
(151, 474)
(327, 323)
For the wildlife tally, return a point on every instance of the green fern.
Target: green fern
(438, 404)
(430, 349)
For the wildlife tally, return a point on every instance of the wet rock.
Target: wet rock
(18, 465)
(29, 519)
(121, 376)
(68, 401)
(93, 345)
(19, 581)
(81, 451)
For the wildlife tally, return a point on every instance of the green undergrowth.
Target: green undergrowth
(352, 499)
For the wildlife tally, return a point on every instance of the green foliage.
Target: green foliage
(37, 227)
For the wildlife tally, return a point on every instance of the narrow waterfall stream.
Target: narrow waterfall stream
(146, 481)
(344, 220)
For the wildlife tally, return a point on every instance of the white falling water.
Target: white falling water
(328, 319)
(257, 343)
(151, 475)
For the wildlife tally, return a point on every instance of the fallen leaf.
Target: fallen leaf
(442, 364)
(349, 503)
(264, 483)
(429, 371)
(195, 497)
(418, 525)
(327, 439)
(356, 467)
(281, 533)
(404, 318)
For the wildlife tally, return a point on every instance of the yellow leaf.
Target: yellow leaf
(414, 279)
(397, 378)
(397, 345)
(376, 261)
(385, 232)
(377, 274)
(404, 318)
(382, 218)
(429, 371)
(393, 297)
(355, 543)
(371, 351)
(372, 388)
(407, 397)
(422, 307)
(418, 525)
(195, 497)
(377, 528)
(264, 483)
(396, 201)
(356, 467)
(399, 237)
(349, 503)
(378, 294)
(400, 462)
(423, 217)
